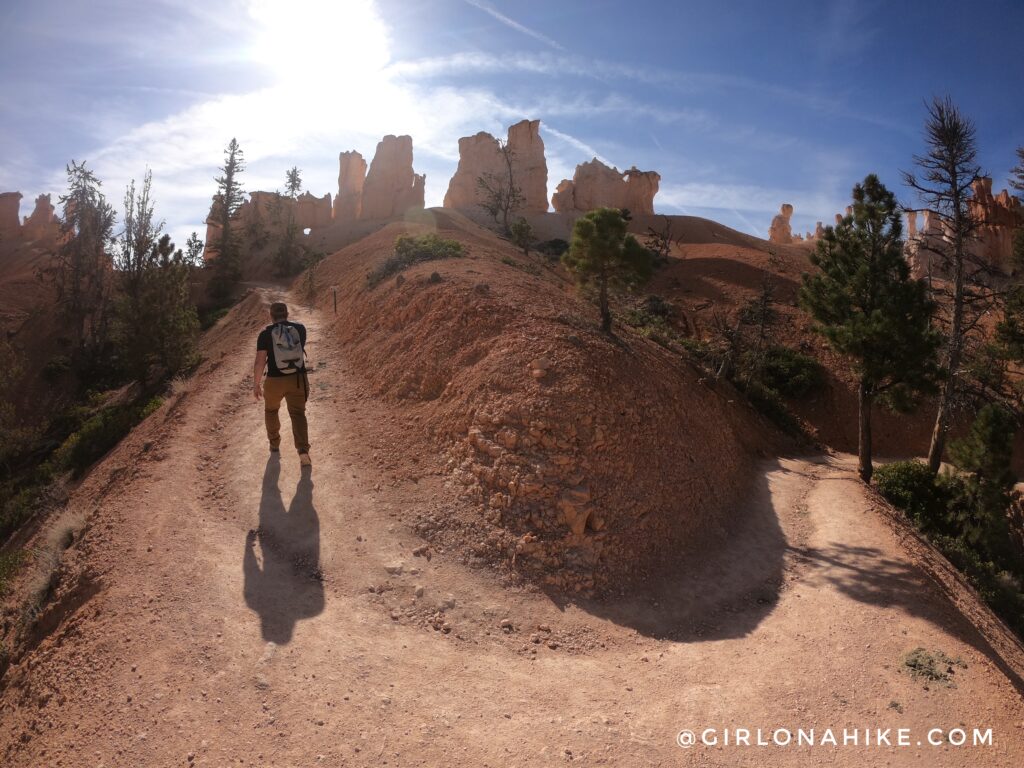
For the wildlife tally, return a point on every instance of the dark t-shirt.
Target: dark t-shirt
(266, 344)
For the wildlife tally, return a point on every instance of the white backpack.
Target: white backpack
(287, 348)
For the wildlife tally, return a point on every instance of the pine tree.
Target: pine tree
(1017, 182)
(604, 255)
(868, 307)
(82, 269)
(175, 320)
(293, 182)
(135, 261)
(986, 454)
(948, 169)
(227, 267)
(522, 235)
(289, 250)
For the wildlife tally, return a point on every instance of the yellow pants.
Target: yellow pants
(294, 391)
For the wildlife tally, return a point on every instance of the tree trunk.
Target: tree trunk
(865, 400)
(956, 344)
(606, 315)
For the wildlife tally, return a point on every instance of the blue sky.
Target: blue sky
(739, 105)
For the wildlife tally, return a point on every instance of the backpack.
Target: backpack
(286, 344)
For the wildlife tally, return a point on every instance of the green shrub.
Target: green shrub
(9, 562)
(792, 373)
(209, 319)
(910, 486)
(16, 509)
(56, 368)
(100, 433)
(767, 401)
(553, 249)
(410, 250)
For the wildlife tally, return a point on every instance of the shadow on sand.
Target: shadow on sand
(287, 585)
(723, 591)
(733, 583)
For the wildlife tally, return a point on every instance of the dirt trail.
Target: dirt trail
(209, 645)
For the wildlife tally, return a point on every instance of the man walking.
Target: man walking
(280, 350)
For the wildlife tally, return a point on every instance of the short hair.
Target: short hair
(278, 311)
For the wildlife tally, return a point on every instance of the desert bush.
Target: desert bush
(101, 432)
(768, 402)
(553, 249)
(910, 486)
(16, 509)
(9, 563)
(939, 506)
(56, 368)
(651, 318)
(410, 250)
(792, 373)
(209, 318)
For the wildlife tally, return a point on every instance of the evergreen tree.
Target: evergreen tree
(81, 272)
(948, 169)
(522, 235)
(289, 251)
(293, 182)
(868, 307)
(157, 325)
(986, 454)
(1017, 182)
(175, 321)
(603, 255)
(194, 251)
(227, 267)
(134, 261)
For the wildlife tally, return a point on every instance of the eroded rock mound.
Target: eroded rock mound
(392, 187)
(998, 219)
(595, 185)
(480, 156)
(10, 222)
(781, 231)
(348, 204)
(42, 223)
(313, 212)
(539, 419)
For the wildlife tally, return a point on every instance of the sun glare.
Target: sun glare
(314, 42)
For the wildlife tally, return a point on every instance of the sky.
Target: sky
(739, 105)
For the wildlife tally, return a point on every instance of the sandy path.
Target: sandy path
(210, 646)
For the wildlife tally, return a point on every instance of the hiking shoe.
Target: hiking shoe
(274, 449)
(304, 460)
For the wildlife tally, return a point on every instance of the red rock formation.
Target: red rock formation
(998, 219)
(42, 224)
(313, 212)
(348, 204)
(595, 185)
(562, 199)
(392, 187)
(10, 221)
(481, 155)
(780, 230)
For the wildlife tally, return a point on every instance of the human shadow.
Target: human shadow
(721, 585)
(287, 585)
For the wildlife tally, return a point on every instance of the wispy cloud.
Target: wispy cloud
(750, 198)
(572, 141)
(513, 24)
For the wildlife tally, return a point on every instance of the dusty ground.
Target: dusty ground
(196, 642)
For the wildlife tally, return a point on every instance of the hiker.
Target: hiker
(280, 349)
